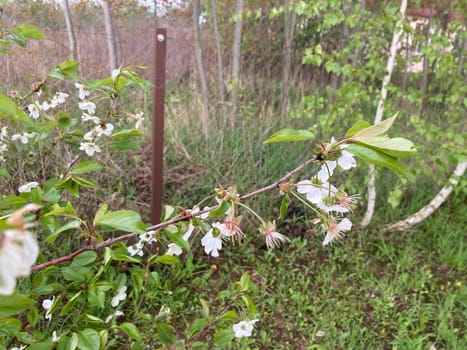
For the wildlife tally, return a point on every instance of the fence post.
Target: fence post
(157, 165)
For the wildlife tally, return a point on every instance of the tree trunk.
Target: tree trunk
(110, 35)
(199, 63)
(435, 203)
(70, 30)
(424, 83)
(379, 113)
(220, 64)
(236, 46)
(289, 29)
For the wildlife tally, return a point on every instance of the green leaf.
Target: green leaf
(164, 259)
(72, 225)
(379, 158)
(69, 185)
(249, 304)
(9, 109)
(46, 345)
(131, 330)
(86, 167)
(357, 127)
(88, 339)
(223, 337)
(123, 220)
(66, 70)
(85, 258)
(67, 210)
(70, 303)
(125, 145)
(284, 206)
(14, 304)
(291, 135)
(224, 206)
(83, 182)
(395, 147)
(31, 32)
(4, 173)
(100, 213)
(73, 341)
(245, 282)
(177, 238)
(197, 326)
(205, 308)
(229, 316)
(165, 333)
(92, 318)
(377, 129)
(12, 201)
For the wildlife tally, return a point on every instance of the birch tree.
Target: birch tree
(236, 51)
(289, 30)
(379, 113)
(220, 63)
(70, 30)
(199, 63)
(112, 48)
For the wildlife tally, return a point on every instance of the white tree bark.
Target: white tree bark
(112, 47)
(70, 30)
(379, 113)
(435, 203)
(220, 63)
(289, 30)
(236, 51)
(199, 63)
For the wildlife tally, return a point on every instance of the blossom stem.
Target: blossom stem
(253, 212)
(306, 203)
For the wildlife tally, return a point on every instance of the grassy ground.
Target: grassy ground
(398, 291)
(371, 291)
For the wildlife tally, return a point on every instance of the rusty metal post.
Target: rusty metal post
(157, 165)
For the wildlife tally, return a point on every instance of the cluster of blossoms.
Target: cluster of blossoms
(89, 109)
(35, 110)
(145, 238)
(330, 201)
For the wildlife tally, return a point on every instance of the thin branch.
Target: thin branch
(169, 222)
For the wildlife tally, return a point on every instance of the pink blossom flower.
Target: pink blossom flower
(336, 230)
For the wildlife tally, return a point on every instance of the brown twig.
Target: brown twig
(128, 236)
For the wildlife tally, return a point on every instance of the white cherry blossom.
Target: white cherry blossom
(28, 187)
(244, 328)
(212, 244)
(90, 148)
(173, 249)
(121, 295)
(336, 230)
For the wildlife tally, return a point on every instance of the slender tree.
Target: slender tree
(112, 47)
(435, 203)
(70, 30)
(236, 54)
(220, 63)
(199, 63)
(379, 113)
(289, 30)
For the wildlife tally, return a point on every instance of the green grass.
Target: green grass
(401, 291)
(370, 291)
